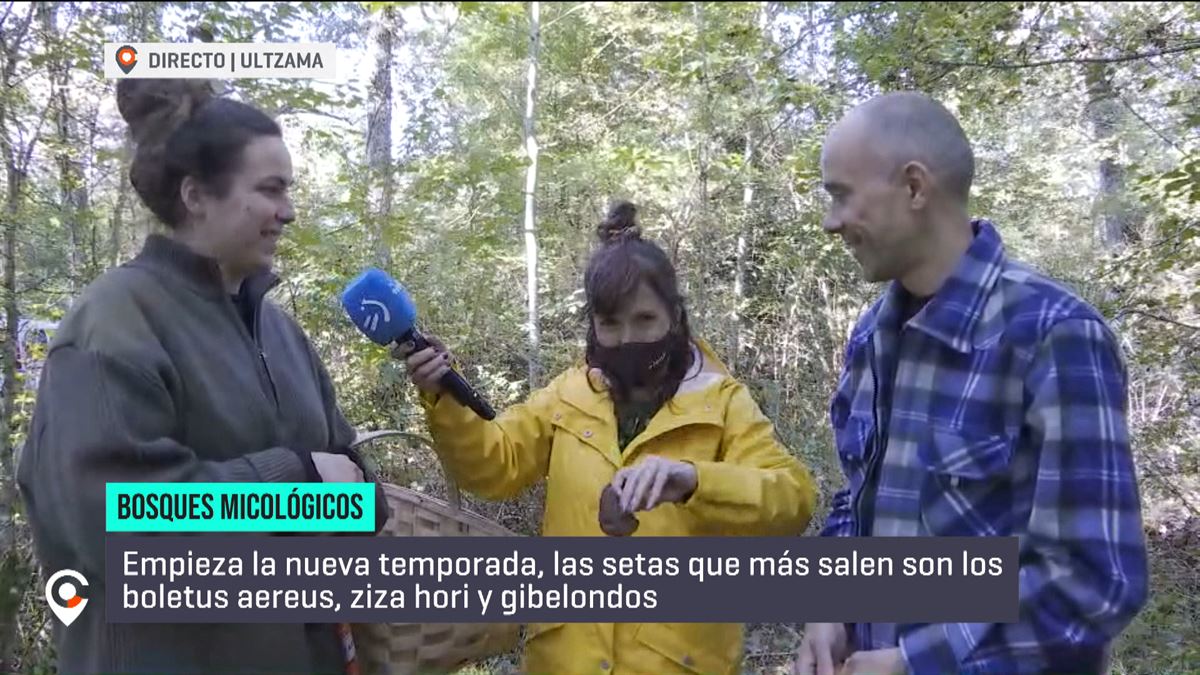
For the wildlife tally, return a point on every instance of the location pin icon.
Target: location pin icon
(126, 58)
(68, 605)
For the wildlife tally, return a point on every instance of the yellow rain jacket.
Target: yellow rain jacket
(748, 484)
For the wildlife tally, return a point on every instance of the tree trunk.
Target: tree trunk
(14, 157)
(814, 42)
(739, 275)
(752, 68)
(147, 28)
(379, 133)
(9, 564)
(1117, 219)
(94, 263)
(702, 307)
(116, 229)
(8, 359)
(117, 224)
(73, 193)
(531, 151)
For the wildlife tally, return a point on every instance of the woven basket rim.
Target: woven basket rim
(441, 507)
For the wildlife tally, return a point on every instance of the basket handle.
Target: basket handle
(452, 491)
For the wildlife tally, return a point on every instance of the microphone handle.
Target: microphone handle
(458, 387)
(465, 394)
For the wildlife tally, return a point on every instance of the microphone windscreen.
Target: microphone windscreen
(379, 306)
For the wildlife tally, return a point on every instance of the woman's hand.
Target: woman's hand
(653, 481)
(426, 367)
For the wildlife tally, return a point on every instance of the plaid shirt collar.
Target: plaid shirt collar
(954, 315)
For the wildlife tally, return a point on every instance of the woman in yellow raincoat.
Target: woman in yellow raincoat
(654, 414)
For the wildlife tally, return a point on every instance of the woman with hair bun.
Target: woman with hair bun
(174, 368)
(650, 436)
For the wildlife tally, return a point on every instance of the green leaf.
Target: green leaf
(1177, 186)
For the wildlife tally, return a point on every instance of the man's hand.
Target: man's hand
(336, 468)
(877, 662)
(427, 366)
(823, 649)
(653, 481)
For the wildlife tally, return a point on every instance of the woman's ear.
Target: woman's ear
(191, 194)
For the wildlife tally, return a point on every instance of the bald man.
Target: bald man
(978, 398)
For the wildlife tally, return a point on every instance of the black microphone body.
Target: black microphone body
(462, 391)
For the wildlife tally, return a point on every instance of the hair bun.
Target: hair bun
(620, 224)
(155, 108)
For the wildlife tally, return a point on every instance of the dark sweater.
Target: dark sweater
(153, 376)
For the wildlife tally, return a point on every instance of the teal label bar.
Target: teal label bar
(240, 507)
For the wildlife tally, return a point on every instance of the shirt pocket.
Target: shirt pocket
(853, 433)
(579, 442)
(967, 489)
(853, 428)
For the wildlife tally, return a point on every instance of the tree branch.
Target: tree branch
(599, 51)
(625, 101)
(564, 15)
(22, 29)
(1149, 126)
(37, 134)
(804, 35)
(1156, 317)
(43, 285)
(7, 13)
(293, 110)
(1185, 47)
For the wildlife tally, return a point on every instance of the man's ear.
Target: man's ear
(919, 182)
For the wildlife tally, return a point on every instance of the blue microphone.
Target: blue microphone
(381, 308)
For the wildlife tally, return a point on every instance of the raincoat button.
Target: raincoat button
(587, 433)
(604, 665)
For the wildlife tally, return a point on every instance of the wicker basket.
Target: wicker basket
(411, 648)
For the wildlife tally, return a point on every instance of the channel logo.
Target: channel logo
(63, 596)
(126, 58)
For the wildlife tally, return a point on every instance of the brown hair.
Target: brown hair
(183, 128)
(622, 263)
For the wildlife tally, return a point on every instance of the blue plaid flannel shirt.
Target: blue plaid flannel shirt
(1007, 418)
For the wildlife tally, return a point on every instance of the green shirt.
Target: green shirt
(632, 419)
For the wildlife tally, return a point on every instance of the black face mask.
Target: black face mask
(633, 364)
